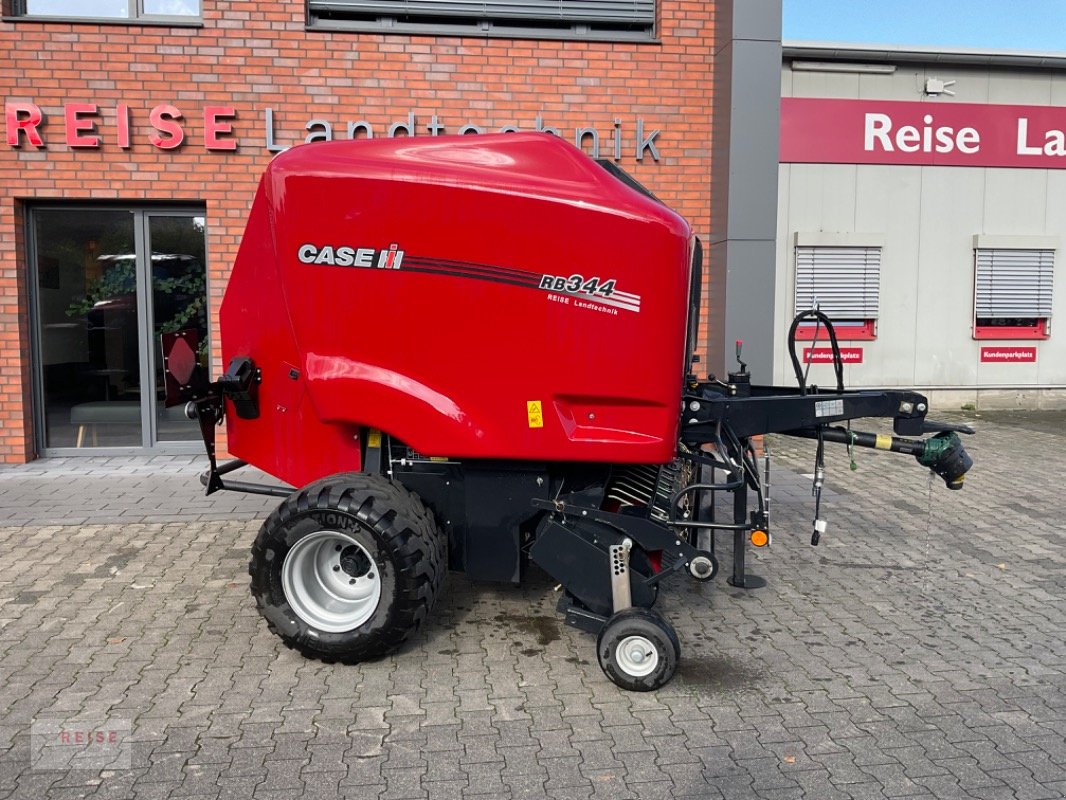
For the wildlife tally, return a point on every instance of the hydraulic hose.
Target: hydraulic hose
(838, 362)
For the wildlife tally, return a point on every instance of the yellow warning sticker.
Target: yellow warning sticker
(535, 413)
(373, 439)
(883, 442)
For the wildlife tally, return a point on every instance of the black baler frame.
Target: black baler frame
(717, 422)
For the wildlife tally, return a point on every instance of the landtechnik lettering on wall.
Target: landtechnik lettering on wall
(86, 125)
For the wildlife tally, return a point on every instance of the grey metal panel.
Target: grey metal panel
(745, 149)
(952, 202)
(903, 84)
(888, 201)
(146, 325)
(757, 20)
(1051, 366)
(755, 141)
(783, 277)
(1015, 201)
(843, 85)
(750, 308)
(1020, 87)
(1058, 89)
(823, 198)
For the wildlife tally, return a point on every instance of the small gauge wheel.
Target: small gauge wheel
(703, 566)
(638, 650)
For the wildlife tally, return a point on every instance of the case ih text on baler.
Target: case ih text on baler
(474, 351)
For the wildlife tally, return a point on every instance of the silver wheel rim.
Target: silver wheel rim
(637, 656)
(331, 582)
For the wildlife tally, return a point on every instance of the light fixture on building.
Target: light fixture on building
(935, 87)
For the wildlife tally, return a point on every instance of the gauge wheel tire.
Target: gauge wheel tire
(347, 568)
(638, 650)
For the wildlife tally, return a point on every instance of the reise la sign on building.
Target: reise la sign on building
(934, 133)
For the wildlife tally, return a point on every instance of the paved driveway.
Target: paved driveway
(918, 652)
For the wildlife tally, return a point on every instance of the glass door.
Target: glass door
(178, 302)
(107, 282)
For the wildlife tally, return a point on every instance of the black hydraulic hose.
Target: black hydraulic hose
(838, 362)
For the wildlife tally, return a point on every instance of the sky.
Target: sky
(979, 24)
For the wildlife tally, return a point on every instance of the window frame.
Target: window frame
(847, 329)
(18, 12)
(1041, 328)
(148, 356)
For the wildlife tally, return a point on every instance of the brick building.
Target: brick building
(135, 137)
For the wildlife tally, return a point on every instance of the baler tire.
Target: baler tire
(391, 527)
(637, 632)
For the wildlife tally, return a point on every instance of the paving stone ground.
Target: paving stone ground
(919, 652)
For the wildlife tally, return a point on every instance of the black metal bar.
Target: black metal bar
(741, 578)
(230, 466)
(772, 409)
(713, 526)
(244, 486)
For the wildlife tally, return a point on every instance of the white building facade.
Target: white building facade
(922, 204)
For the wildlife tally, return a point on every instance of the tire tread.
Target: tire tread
(398, 516)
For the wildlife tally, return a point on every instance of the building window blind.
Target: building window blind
(844, 282)
(626, 19)
(1013, 292)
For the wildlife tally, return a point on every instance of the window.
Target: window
(843, 282)
(108, 282)
(139, 10)
(568, 19)
(1012, 292)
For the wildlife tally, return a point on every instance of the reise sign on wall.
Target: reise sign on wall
(933, 133)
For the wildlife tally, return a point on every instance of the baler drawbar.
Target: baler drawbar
(412, 462)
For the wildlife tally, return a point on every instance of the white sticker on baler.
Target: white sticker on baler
(829, 408)
(589, 292)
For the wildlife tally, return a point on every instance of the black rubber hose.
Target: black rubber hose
(838, 362)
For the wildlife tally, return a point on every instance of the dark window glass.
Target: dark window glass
(89, 323)
(109, 283)
(179, 302)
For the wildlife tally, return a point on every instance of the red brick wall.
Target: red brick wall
(255, 55)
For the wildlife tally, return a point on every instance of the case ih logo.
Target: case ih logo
(577, 291)
(345, 256)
